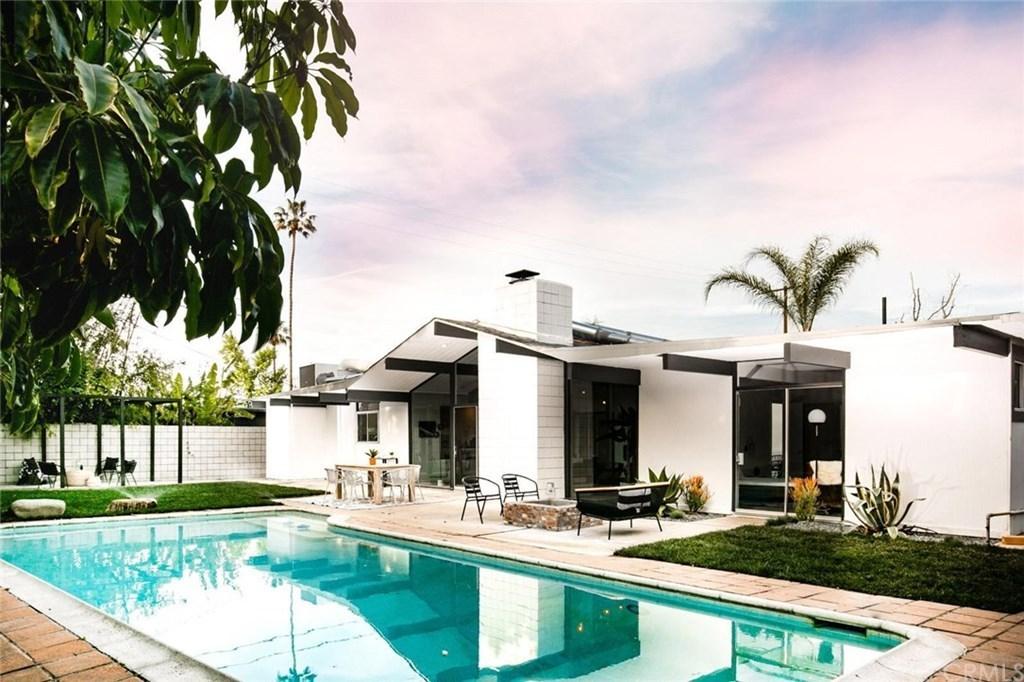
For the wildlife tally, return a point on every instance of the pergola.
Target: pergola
(120, 401)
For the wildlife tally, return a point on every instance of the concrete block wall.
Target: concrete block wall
(208, 452)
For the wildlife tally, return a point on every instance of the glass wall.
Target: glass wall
(603, 434)
(785, 433)
(430, 426)
(443, 432)
(815, 438)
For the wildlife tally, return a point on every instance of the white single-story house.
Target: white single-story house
(572, 405)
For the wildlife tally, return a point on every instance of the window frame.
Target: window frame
(364, 411)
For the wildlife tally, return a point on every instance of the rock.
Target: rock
(41, 508)
(131, 504)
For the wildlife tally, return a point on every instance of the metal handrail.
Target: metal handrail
(988, 522)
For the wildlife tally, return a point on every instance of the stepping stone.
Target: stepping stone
(42, 508)
(131, 504)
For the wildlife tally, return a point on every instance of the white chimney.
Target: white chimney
(536, 308)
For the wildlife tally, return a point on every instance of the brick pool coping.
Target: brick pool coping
(945, 642)
(34, 647)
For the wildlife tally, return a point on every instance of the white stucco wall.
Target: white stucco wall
(301, 441)
(507, 414)
(686, 426)
(936, 414)
(392, 434)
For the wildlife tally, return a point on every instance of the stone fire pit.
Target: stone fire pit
(549, 514)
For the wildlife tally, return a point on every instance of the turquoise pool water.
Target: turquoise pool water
(280, 596)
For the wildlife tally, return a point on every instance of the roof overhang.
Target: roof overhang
(431, 349)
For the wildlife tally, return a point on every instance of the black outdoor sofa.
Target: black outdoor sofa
(620, 503)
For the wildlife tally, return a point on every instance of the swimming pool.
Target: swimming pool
(281, 596)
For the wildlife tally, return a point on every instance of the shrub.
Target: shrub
(805, 493)
(671, 490)
(780, 521)
(877, 506)
(695, 493)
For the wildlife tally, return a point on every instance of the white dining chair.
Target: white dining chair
(352, 482)
(414, 475)
(332, 481)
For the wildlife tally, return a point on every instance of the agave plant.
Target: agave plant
(672, 491)
(877, 506)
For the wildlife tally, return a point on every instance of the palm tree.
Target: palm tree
(294, 220)
(808, 285)
(278, 338)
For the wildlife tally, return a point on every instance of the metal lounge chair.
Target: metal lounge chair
(51, 472)
(519, 486)
(620, 503)
(109, 468)
(129, 470)
(475, 492)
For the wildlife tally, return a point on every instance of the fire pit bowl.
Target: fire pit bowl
(549, 514)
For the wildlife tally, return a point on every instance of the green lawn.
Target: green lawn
(170, 498)
(950, 572)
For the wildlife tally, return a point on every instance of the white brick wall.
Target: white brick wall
(550, 426)
(208, 452)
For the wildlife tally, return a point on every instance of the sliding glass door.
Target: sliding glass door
(603, 444)
(760, 449)
(785, 433)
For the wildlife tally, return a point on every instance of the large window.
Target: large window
(367, 415)
(603, 423)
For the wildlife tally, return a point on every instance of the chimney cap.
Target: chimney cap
(521, 275)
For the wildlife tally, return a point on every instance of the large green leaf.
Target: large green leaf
(334, 60)
(56, 15)
(308, 111)
(99, 86)
(41, 127)
(102, 172)
(344, 91)
(262, 166)
(335, 109)
(223, 131)
(50, 170)
(245, 106)
(142, 108)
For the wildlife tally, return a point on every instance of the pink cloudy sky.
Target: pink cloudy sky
(632, 150)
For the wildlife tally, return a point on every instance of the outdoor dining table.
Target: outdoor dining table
(376, 472)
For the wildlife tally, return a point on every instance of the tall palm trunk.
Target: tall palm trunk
(291, 313)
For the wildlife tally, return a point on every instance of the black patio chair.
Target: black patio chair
(620, 503)
(109, 468)
(475, 492)
(129, 470)
(518, 490)
(51, 472)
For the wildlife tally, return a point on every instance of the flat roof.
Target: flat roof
(721, 347)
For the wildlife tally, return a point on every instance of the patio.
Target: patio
(439, 511)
